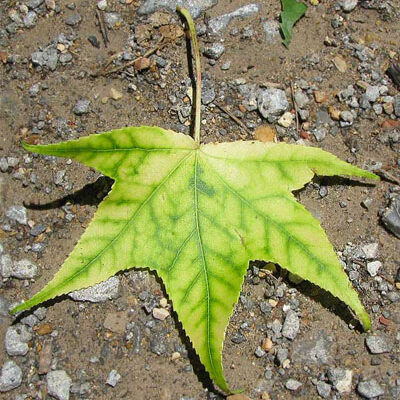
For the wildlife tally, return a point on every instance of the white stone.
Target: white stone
(286, 120)
(370, 250)
(16, 340)
(11, 376)
(24, 269)
(102, 5)
(160, 313)
(113, 378)
(373, 267)
(103, 291)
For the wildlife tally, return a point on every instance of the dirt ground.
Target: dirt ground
(80, 343)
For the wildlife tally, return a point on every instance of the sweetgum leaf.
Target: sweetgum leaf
(292, 11)
(197, 214)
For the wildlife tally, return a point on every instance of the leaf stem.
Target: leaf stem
(193, 37)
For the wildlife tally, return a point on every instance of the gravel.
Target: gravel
(293, 385)
(377, 344)
(214, 51)
(30, 19)
(24, 269)
(11, 376)
(324, 389)
(341, 379)
(47, 58)
(58, 384)
(370, 389)
(195, 7)
(103, 291)
(272, 32)
(17, 214)
(272, 103)
(374, 267)
(81, 107)
(348, 5)
(391, 216)
(6, 265)
(219, 24)
(16, 340)
(291, 326)
(113, 378)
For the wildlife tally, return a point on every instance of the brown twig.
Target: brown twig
(159, 46)
(387, 176)
(103, 28)
(234, 118)
(295, 109)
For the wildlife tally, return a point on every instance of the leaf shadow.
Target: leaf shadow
(91, 194)
(343, 181)
(193, 357)
(324, 298)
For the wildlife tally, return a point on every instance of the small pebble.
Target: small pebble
(11, 376)
(370, 389)
(58, 384)
(113, 378)
(293, 385)
(377, 344)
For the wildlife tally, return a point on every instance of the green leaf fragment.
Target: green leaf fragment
(292, 11)
(197, 215)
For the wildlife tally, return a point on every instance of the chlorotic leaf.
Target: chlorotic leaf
(292, 11)
(197, 214)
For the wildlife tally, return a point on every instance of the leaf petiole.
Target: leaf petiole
(193, 37)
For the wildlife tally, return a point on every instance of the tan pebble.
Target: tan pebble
(340, 63)
(50, 4)
(163, 302)
(61, 47)
(175, 356)
(265, 396)
(267, 344)
(286, 119)
(44, 329)
(398, 285)
(238, 397)
(314, 2)
(160, 313)
(265, 133)
(334, 113)
(320, 96)
(115, 94)
(273, 303)
(104, 100)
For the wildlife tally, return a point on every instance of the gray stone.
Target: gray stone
(324, 389)
(102, 5)
(301, 98)
(391, 216)
(157, 346)
(320, 133)
(370, 250)
(37, 230)
(81, 107)
(219, 24)
(341, 379)
(103, 291)
(291, 326)
(65, 58)
(207, 90)
(293, 385)
(73, 19)
(16, 340)
(364, 102)
(195, 7)
(370, 389)
(112, 18)
(4, 306)
(113, 378)
(3, 164)
(214, 51)
(24, 269)
(394, 297)
(30, 19)
(11, 376)
(271, 29)
(18, 214)
(47, 58)
(348, 5)
(372, 93)
(347, 117)
(272, 103)
(32, 4)
(259, 352)
(377, 344)
(6, 265)
(225, 66)
(34, 90)
(58, 384)
(249, 93)
(396, 105)
(282, 355)
(30, 320)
